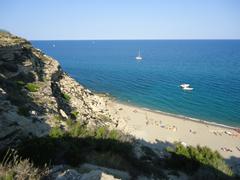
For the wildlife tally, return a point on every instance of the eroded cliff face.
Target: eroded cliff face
(35, 94)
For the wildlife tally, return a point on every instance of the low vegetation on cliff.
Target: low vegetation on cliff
(100, 146)
(14, 167)
(116, 150)
(32, 87)
(191, 159)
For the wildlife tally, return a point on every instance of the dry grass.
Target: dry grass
(14, 167)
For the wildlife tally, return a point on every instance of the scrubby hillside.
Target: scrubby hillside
(35, 94)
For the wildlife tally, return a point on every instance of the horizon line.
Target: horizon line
(124, 39)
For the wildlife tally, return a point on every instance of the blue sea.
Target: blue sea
(212, 67)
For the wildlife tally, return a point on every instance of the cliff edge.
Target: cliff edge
(36, 94)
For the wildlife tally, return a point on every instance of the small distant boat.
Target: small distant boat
(139, 57)
(53, 45)
(186, 87)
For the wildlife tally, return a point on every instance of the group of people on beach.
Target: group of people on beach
(226, 149)
(169, 127)
(222, 132)
(193, 132)
(230, 150)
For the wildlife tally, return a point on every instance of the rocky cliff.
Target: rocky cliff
(36, 94)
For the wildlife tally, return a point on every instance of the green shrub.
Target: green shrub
(56, 132)
(66, 97)
(114, 134)
(58, 118)
(101, 133)
(32, 87)
(196, 157)
(78, 130)
(74, 114)
(70, 123)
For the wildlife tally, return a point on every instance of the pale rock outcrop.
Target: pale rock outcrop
(116, 173)
(72, 174)
(63, 114)
(97, 175)
(86, 172)
(69, 174)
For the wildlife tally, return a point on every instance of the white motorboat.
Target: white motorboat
(186, 87)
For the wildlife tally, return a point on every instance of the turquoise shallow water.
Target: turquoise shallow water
(212, 67)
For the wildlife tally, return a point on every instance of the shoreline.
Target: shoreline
(182, 117)
(159, 128)
(179, 116)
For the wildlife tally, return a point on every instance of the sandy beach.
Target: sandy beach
(156, 127)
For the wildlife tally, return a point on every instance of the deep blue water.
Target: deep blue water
(212, 67)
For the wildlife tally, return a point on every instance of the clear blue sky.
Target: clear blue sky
(121, 19)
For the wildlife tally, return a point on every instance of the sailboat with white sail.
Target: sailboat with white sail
(139, 57)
